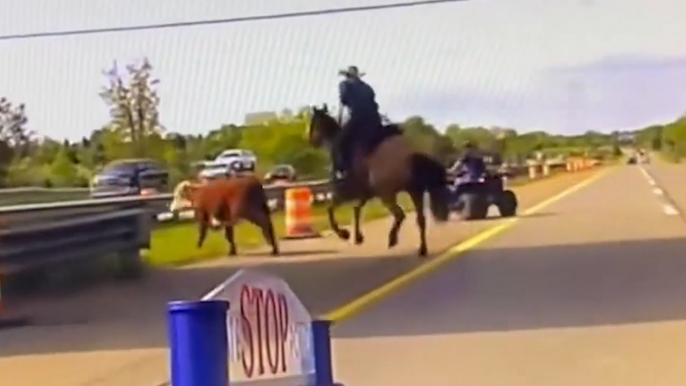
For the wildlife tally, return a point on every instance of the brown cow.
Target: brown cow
(227, 201)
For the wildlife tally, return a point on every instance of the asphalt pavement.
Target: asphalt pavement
(590, 294)
(114, 334)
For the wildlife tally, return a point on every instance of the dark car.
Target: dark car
(284, 173)
(118, 178)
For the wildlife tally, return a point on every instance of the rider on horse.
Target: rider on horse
(359, 99)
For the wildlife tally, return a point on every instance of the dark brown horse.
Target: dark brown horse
(226, 201)
(387, 167)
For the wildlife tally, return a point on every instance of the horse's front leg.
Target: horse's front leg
(343, 234)
(357, 212)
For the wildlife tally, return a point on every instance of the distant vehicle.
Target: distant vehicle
(643, 157)
(471, 199)
(118, 178)
(236, 160)
(285, 173)
(213, 171)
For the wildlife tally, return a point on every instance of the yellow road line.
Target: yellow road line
(354, 307)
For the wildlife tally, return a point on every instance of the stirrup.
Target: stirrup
(215, 223)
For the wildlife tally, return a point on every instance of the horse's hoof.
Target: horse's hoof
(359, 239)
(233, 253)
(423, 252)
(274, 253)
(343, 234)
(392, 242)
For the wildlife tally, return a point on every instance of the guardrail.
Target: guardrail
(38, 248)
(156, 205)
(14, 196)
(38, 189)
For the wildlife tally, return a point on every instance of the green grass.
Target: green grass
(175, 244)
(670, 157)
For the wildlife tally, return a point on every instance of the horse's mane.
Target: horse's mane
(330, 127)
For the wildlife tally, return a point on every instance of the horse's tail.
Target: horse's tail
(428, 175)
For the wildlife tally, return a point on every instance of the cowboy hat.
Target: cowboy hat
(351, 71)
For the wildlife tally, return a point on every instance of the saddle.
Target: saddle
(380, 135)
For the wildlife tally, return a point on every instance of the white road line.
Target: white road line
(647, 175)
(669, 210)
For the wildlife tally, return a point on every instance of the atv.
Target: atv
(471, 199)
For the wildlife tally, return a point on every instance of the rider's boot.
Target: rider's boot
(340, 172)
(339, 177)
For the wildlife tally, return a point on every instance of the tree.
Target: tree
(674, 138)
(63, 172)
(13, 131)
(421, 134)
(133, 102)
(226, 137)
(481, 136)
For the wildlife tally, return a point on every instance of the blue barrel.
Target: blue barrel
(323, 365)
(198, 343)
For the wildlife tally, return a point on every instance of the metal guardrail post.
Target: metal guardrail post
(145, 222)
(198, 343)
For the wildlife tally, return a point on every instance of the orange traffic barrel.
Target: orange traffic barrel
(298, 208)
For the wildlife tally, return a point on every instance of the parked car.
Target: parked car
(118, 178)
(285, 173)
(236, 160)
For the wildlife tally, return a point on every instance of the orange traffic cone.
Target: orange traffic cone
(298, 210)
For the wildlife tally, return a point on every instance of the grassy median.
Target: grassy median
(175, 244)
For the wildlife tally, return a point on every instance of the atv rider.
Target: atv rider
(471, 166)
(359, 99)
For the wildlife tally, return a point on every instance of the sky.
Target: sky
(564, 66)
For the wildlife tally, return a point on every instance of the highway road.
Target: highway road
(590, 294)
(114, 334)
